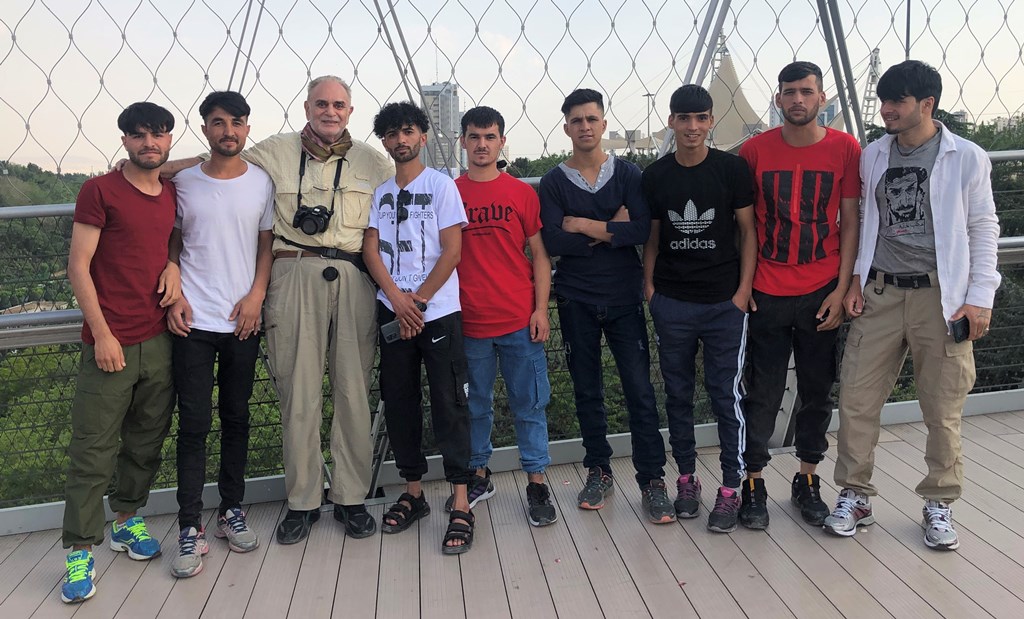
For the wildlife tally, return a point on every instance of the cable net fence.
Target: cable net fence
(69, 67)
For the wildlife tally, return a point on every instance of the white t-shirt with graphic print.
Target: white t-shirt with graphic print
(409, 221)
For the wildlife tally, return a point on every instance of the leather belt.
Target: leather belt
(289, 253)
(911, 280)
(331, 253)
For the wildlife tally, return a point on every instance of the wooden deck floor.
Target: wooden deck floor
(610, 563)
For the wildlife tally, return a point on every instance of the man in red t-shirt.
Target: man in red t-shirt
(122, 280)
(504, 300)
(807, 181)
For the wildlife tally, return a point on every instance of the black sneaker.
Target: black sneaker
(754, 511)
(655, 501)
(358, 522)
(296, 525)
(807, 496)
(599, 485)
(480, 489)
(541, 512)
(722, 518)
(688, 498)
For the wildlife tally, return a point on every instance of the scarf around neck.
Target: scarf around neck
(316, 148)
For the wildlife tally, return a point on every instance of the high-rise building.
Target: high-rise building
(443, 151)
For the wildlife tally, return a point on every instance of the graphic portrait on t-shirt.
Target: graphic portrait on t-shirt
(905, 201)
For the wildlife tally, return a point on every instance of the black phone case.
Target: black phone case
(961, 329)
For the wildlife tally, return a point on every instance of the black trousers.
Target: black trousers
(440, 349)
(194, 358)
(779, 326)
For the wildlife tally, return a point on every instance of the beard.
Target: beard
(407, 156)
(227, 149)
(147, 164)
(811, 116)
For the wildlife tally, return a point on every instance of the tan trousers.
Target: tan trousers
(894, 322)
(308, 318)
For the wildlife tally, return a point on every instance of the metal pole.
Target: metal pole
(907, 41)
(851, 84)
(830, 42)
(716, 33)
(238, 48)
(701, 39)
(650, 107)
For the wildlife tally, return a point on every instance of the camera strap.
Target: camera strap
(302, 172)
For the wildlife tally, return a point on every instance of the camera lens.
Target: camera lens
(309, 225)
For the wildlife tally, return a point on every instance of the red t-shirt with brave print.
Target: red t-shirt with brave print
(130, 255)
(495, 276)
(796, 206)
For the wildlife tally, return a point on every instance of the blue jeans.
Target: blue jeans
(625, 329)
(525, 370)
(721, 328)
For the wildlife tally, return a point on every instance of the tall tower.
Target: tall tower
(443, 151)
(869, 107)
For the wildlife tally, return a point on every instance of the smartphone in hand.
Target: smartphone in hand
(960, 328)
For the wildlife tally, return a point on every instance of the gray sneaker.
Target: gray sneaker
(192, 546)
(232, 526)
(599, 485)
(657, 507)
(852, 510)
(480, 489)
(938, 526)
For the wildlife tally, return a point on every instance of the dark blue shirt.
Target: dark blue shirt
(606, 274)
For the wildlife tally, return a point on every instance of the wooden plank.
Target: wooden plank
(745, 583)
(1013, 420)
(568, 583)
(39, 584)
(8, 543)
(964, 514)
(611, 581)
(627, 525)
(973, 452)
(524, 582)
(1013, 453)
(24, 558)
(702, 586)
(234, 586)
(989, 424)
(398, 586)
(803, 545)
(878, 578)
(786, 578)
(356, 594)
(272, 594)
(188, 596)
(481, 571)
(898, 510)
(315, 586)
(977, 494)
(440, 574)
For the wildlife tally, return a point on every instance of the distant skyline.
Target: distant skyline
(75, 65)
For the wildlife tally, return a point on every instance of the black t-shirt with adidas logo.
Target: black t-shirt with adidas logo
(698, 259)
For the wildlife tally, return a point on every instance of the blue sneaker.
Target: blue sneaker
(133, 538)
(81, 569)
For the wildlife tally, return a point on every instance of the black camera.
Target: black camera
(312, 220)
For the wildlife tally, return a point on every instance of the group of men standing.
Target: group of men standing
(751, 257)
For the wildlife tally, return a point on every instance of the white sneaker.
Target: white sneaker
(852, 510)
(192, 545)
(938, 526)
(233, 527)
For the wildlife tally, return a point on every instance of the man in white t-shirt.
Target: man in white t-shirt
(221, 239)
(411, 248)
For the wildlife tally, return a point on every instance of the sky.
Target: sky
(68, 67)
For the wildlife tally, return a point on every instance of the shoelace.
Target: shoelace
(595, 479)
(687, 491)
(726, 504)
(844, 507)
(814, 493)
(138, 530)
(187, 544)
(236, 522)
(938, 517)
(537, 494)
(78, 570)
(657, 495)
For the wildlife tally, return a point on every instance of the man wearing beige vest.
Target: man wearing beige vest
(320, 303)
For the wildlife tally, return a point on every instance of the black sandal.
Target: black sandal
(458, 531)
(404, 516)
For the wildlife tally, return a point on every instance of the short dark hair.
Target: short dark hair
(228, 100)
(482, 116)
(796, 71)
(398, 115)
(910, 77)
(145, 115)
(690, 98)
(582, 96)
